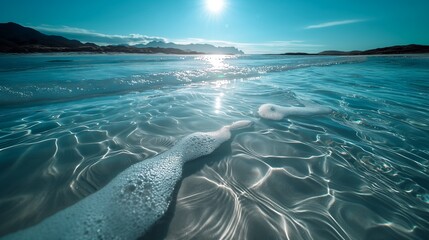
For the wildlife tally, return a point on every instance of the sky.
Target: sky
(254, 26)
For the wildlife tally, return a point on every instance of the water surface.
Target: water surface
(71, 123)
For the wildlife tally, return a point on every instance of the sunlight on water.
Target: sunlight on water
(217, 62)
(218, 103)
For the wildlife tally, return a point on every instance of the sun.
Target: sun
(215, 6)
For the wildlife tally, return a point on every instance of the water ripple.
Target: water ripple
(358, 173)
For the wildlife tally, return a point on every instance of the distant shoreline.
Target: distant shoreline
(346, 55)
(200, 54)
(392, 50)
(18, 39)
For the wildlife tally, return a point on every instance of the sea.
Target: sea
(69, 123)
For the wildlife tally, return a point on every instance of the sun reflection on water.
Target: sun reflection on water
(217, 62)
(218, 103)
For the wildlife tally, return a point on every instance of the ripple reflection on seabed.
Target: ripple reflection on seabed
(272, 189)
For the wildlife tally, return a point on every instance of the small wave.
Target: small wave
(31, 91)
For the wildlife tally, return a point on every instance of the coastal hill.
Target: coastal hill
(15, 38)
(205, 48)
(403, 49)
(13, 35)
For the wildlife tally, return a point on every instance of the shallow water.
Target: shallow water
(71, 123)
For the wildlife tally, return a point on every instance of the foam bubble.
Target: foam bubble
(129, 204)
(276, 112)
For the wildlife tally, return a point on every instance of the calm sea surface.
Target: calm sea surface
(70, 123)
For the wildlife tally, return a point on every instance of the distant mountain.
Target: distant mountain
(205, 48)
(403, 49)
(15, 38)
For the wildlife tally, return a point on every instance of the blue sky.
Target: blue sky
(255, 26)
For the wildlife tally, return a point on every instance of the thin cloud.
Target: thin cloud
(85, 35)
(334, 23)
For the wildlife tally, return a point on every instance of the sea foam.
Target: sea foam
(276, 112)
(128, 205)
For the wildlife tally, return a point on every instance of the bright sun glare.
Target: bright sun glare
(214, 6)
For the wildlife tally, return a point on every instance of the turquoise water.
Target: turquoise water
(70, 123)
